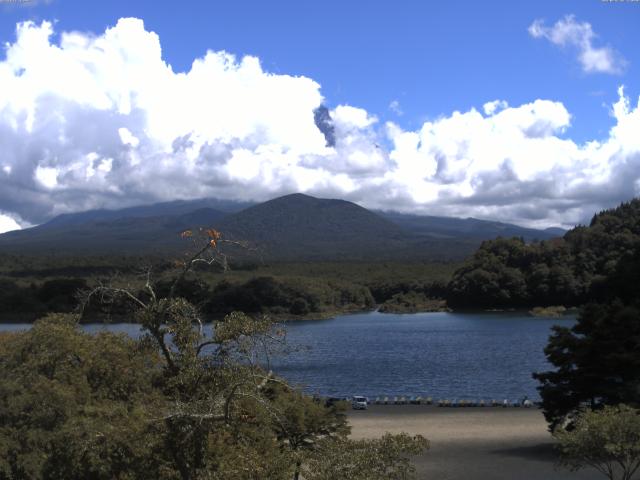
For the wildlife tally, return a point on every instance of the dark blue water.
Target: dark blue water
(443, 355)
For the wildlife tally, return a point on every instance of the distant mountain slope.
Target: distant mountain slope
(470, 228)
(175, 208)
(294, 227)
(126, 235)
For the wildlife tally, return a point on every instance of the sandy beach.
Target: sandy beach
(472, 443)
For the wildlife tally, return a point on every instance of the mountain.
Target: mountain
(300, 226)
(175, 208)
(294, 227)
(121, 235)
(555, 231)
(470, 228)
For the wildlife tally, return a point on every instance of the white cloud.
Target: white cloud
(394, 106)
(127, 137)
(513, 165)
(11, 4)
(102, 121)
(569, 32)
(46, 176)
(8, 224)
(492, 107)
(351, 118)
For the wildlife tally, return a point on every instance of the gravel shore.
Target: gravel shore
(491, 443)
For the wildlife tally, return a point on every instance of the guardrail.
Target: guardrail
(442, 402)
(455, 403)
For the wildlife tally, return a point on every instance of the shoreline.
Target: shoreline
(311, 317)
(479, 443)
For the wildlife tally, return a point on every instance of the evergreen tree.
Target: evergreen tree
(597, 360)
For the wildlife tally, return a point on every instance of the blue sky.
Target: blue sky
(402, 62)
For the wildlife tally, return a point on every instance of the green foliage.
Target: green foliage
(303, 423)
(607, 440)
(386, 458)
(288, 296)
(73, 405)
(509, 273)
(282, 290)
(597, 360)
(386, 289)
(76, 406)
(59, 295)
(55, 295)
(412, 302)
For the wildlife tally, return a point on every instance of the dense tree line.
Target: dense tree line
(274, 296)
(271, 295)
(33, 300)
(409, 296)
(295, 289)
(280, 296)
(258, 295)
(385, 290)
(509, 273)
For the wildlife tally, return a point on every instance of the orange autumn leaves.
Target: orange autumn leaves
(212, 235)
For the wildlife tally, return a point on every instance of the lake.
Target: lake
(443, 355)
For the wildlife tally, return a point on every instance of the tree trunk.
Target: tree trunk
(296, 474)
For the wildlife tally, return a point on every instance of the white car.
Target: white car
(359, 403)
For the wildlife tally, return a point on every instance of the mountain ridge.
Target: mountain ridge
(292, 227)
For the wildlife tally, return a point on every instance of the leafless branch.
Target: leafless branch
(108, 292)
(149, 287)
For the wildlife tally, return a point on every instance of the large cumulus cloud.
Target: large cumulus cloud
(102, 121)
(516, 164)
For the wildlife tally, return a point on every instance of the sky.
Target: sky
(525, 112)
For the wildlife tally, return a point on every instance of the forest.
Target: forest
(30, 287)
(569, 271)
